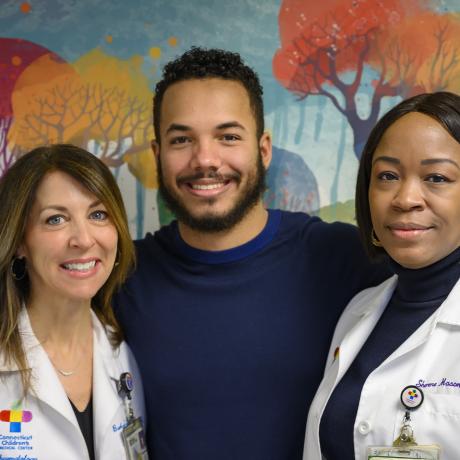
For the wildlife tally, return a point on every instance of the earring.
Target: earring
(117, 259)
(18, 268)
(374, 240)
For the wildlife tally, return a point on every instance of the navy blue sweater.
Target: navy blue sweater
(231, 345)
(417, 295)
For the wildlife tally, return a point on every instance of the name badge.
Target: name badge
(404, 446)
(134, 441)
(398, 453)
(133, 433)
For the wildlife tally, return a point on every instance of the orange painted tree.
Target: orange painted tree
(120, 112)
(48, 105)
(329, 48)
(422, 53)
(99, 102)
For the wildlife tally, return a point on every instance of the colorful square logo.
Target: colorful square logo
(15, 418)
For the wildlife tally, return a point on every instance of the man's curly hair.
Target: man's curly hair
(201, 63)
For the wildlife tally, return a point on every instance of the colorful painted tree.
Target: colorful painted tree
(48, 104)
(422, 52)
(120, 111)
(16, 55)
(100, 103)
(328, 48)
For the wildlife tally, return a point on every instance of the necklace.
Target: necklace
(68, 373)
(65, 373)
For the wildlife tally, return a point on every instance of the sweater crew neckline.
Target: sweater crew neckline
(232, 254)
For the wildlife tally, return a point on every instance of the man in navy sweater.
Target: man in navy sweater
(231, 309)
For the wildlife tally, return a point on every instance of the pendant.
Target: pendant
(65, 373)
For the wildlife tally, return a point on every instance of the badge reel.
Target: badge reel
(404, 446)
(133, 433)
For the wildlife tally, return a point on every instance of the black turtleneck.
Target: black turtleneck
(417, 295)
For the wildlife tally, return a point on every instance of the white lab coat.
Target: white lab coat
(53, 432)
(429, 358)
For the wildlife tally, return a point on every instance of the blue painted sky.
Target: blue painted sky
(73, 27)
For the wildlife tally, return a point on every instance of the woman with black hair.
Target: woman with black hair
(392, 376)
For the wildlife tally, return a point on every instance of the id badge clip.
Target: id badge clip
(133, 433)
(404, 446)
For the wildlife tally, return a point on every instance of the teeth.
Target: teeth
(81, 267)
(207, 187)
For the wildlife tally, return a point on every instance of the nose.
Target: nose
(81, 235)
(409, 196)
(206, 155)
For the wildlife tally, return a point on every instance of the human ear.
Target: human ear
(265, 147)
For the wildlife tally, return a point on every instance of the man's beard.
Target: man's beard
(211, 222)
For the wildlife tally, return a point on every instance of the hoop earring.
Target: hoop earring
(18, 268)
(374, 240)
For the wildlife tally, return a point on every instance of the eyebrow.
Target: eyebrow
(439, 160)
(428, 161)
(177, 127)
(386, 159)
(231, 124)
(57, 207)
(222, 126)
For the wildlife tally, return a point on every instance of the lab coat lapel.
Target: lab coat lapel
(106, 401)
(363, 319)
(45, 383)
(448, 313)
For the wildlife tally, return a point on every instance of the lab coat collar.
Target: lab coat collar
(364, 313)
(381, 296)
(6, 366)
(449, 311)
(45, 382)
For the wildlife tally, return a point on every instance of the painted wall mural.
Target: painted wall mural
(83, 72)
